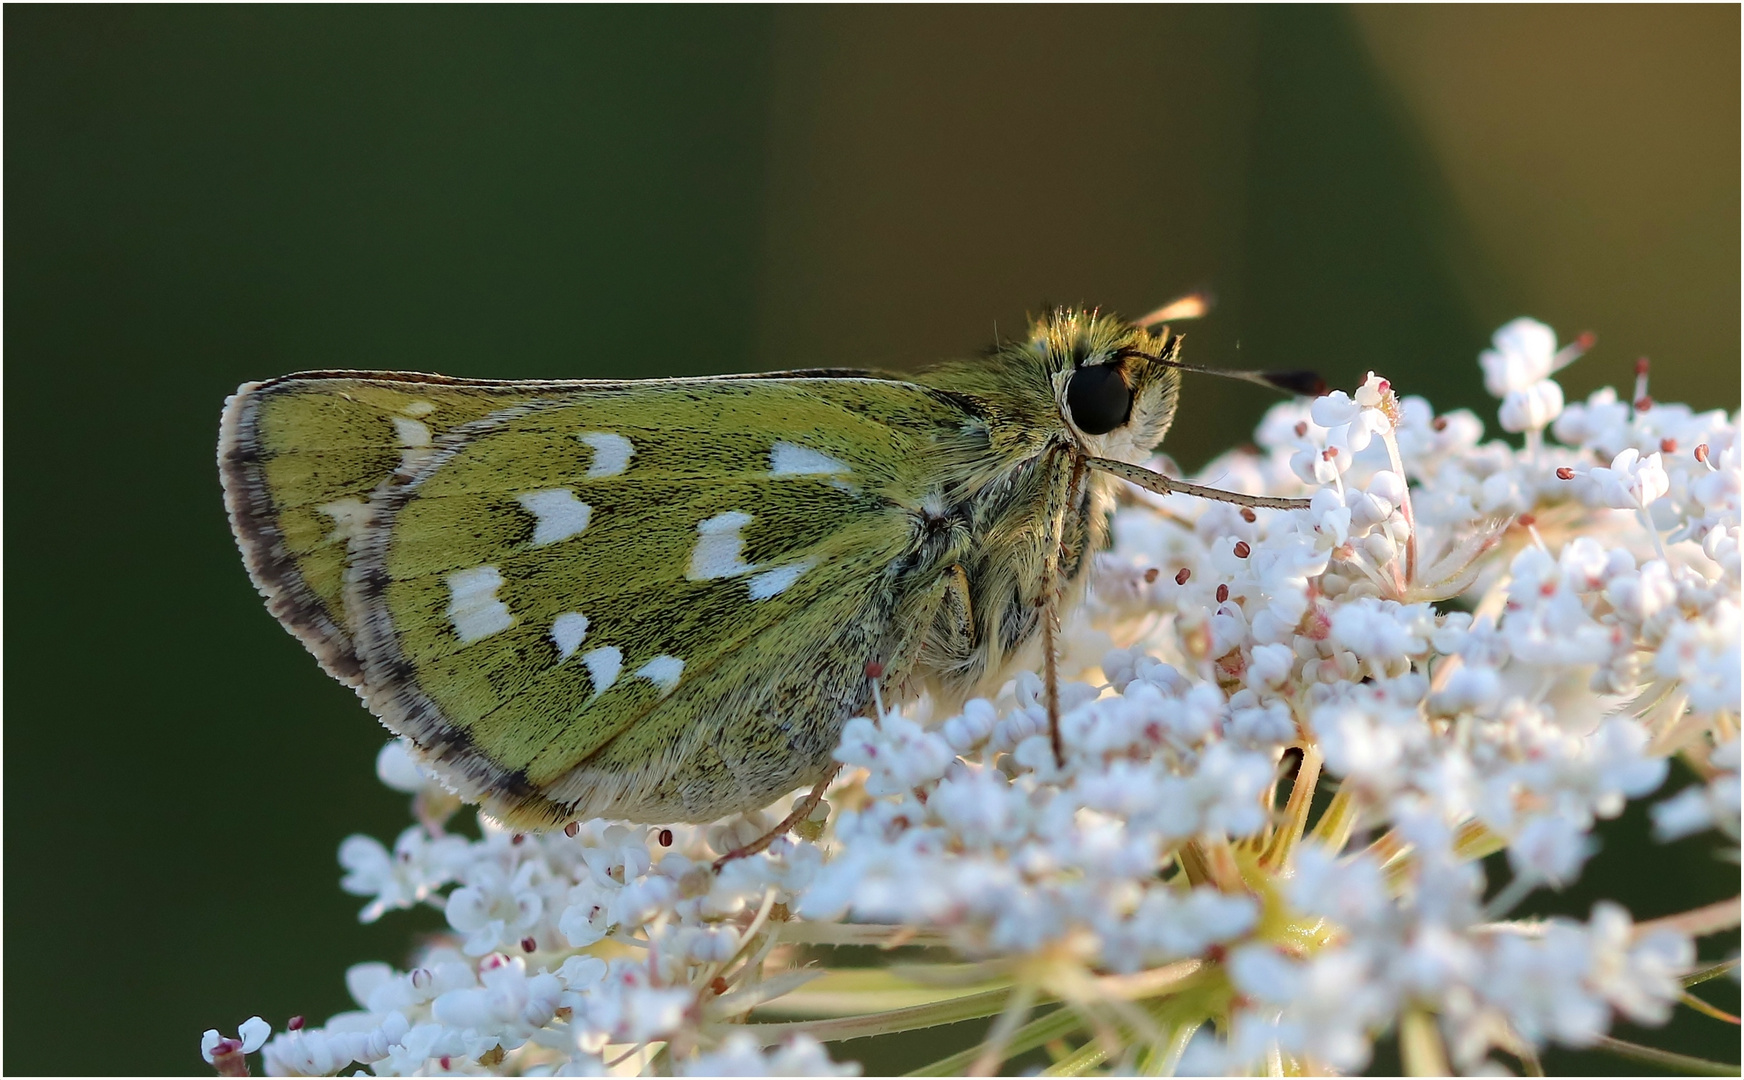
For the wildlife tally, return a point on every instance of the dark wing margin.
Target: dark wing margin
(254, 521)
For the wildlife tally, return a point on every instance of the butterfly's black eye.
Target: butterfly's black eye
(1098, 398)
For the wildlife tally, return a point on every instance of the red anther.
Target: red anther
(1702, 453)
(1222, 593)
(1586, 340)
(1525, 521)
(1329, 453)
(1439, 423)
(1182, 575)
(719, 986)
(518, 839)
(1151, 575)
(665, 837)
(1565, 473)
(1216, 954)
(443, 1061)
(295, 1023)
(1301, 428)
(1643, 403)
(225, 1047)
(1385, 386)
(1641, 367)
(1242, 551)
(1547, 589)
(1248, 515)
(874, 670)
(529, 945)
(1668, 446)
(572, 830)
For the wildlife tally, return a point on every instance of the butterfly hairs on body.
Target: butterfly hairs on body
(661, 600)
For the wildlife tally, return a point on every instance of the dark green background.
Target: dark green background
(200, 196)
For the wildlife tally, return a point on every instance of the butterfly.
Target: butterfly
(661, 600)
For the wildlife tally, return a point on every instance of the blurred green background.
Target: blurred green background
(197, 196)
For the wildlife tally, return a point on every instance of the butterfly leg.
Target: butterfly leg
(1050, 601)
(949, 616)
(801, 810)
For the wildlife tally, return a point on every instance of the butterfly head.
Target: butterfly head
(1080, 379)
(1113, 384)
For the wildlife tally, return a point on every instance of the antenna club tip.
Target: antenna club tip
(1305, 383)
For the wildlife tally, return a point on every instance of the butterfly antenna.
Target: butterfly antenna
(1303, 382)
(1163, 485)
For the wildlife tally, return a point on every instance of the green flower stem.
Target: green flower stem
(1333, 829)
(1705, 1009)
(1711, 971)
(1700, 922)
(1038, 1032)
(1016, 1011)
(1420, 1044)
(1296, 810)
(1080, 1061)
(1665, 1059)
(950, 1011)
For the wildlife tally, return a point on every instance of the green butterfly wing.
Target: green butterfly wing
(300, 457)
(653, 600)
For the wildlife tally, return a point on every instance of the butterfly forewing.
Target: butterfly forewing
(654, 597)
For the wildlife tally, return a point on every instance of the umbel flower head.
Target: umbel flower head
(1290, 737)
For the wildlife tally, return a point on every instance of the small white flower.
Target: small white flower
(899, 753)
(409, 875)
(1631, 482)
(1524, 353)
(494, 910)
(249, 1038)
(395, 767)
(1531, 408)
(973, 726)
(1551, 848)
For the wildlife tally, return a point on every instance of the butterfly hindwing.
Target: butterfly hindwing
(300, 457)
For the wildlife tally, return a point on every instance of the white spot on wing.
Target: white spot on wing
(662, 671)
(567, 630)
(419, 408)
(415, 440)
(411, 433)
(792, 459)
(603, 666)
(474, 608)
(611, 453)
(561, 515)
(350, 516)
(718, 548)
(775, 582)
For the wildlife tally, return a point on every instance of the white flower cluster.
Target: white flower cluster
(1470, 647)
